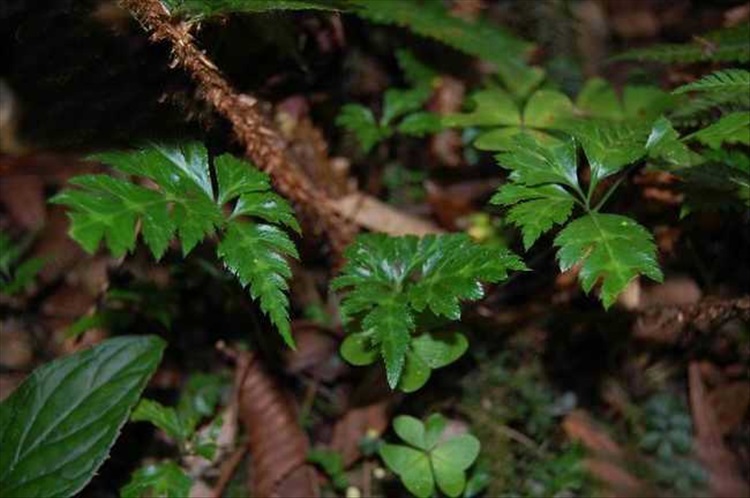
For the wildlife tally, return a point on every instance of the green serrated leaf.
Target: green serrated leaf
(732, 128)
(56, 429)
(182, 202)
(388, 278)
(535, 209)
(256, 254)
(726, 80)
(664, 143)
(394, 324)
(609, 247)
(534, 164)
(610, 146)
(163, 480)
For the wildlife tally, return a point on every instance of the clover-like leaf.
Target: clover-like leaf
(431, 458)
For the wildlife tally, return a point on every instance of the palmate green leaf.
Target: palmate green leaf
(412, 466)
(359, 120)
(544, 110)
(57, 428)
(609, 247)
(182, 202)
(535, 210)
(389, 279)
(162, 480)
(726, 80)
(732, 128)
(598, 99)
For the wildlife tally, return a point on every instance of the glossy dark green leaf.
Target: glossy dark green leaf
(57, 428)
(609, 247)
(256, 254)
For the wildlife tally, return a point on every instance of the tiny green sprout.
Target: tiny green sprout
(430, 457)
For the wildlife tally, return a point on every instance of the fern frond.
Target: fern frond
(389, 280)
(726, 45)
(728, 80)
(182, 203)
(732, 128)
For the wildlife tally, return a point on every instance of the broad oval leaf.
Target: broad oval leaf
(416, 373)
(440, 349)
(57, 428)
(359, 350)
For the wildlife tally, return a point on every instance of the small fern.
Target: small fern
(542, 192)
(734, 128)
(183, 204)
(725, 45)
(390, 281)
(728, 80)
(398, 104)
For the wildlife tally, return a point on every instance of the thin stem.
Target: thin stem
(609, 193)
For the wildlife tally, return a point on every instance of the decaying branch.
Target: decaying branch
(263, 144)
(668, 323)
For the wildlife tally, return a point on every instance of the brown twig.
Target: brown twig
(263, 144)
